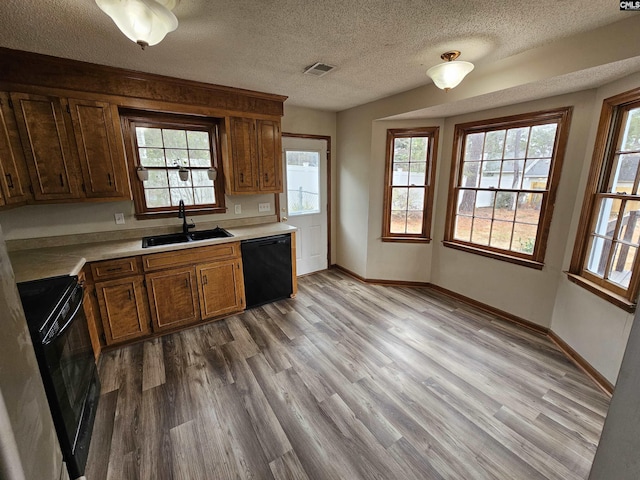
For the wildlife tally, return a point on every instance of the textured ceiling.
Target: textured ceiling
(380, 47)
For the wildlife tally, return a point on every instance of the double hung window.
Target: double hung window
(179, 155)
(503, 183)
(409, 181)
(605, 257)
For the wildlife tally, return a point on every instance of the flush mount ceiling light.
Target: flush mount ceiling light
(449, 74)
(145, 22)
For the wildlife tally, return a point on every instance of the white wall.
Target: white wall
(593, 327)
(617, 455)
(391, 260)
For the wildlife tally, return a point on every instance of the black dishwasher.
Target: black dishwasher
(266, 264)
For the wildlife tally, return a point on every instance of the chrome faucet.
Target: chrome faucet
(181, 214)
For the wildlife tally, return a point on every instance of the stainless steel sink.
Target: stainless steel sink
(173, 238)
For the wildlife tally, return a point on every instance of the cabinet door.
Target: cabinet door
(45, 140)
(243, 155)
(91, 310)
(269, 156)
(14, 181)
(101, 157)
(123, 307)
(221, 288)
(173, 298)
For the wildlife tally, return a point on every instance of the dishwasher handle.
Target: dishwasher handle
(261, 242)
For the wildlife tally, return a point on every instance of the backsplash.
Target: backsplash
(42, 221)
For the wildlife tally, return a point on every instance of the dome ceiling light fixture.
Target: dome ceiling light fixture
(449, 74)
(145, 22)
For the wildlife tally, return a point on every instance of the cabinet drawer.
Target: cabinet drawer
(114, 268)
(190, 256)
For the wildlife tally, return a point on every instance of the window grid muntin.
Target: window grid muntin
(404, 212)
(614, 240)
(170, 171)
(615, 134)
(528, 250)
(560, 118)
(422, 216)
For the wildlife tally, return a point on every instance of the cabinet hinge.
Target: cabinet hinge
(31, 189)
(68, 109)
(144, 282)
(103, 338)
(10, 103)
(84, 188)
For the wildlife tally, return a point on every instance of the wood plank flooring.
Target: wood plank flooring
(346, 381)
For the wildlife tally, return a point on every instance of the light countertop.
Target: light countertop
(39, 263)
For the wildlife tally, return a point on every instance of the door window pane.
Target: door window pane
(303, 182)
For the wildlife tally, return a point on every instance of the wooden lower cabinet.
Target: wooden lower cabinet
(152, 294)
(221, 287)
(173, 298)
(123, 308)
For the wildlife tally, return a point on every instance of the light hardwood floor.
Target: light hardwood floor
(347, 381)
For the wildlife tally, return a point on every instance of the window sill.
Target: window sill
(174, 213)
(495, 255)
(406, 239)
(601, 292)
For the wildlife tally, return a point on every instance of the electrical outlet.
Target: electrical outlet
(119, 218)
(238, 209)
(264, 207)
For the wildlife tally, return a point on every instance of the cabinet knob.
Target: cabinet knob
(284, 219)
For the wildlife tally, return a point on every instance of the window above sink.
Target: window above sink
(178, 155)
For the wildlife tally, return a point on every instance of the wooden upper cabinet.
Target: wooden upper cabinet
(254, 164)
(244, 172)
(269, 155)
(100, 152)
(173, 298)
(51, 161)
(14, 181)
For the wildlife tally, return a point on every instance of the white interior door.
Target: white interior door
(304, 201)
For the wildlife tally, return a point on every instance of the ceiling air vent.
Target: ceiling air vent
(318, 69)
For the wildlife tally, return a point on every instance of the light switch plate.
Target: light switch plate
(238, 209)
(264, 207)
(119, 218)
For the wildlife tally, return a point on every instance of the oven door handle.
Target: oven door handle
(50, 338)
